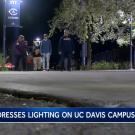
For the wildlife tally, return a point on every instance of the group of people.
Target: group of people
(40, 56)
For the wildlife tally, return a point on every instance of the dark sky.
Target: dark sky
(35, 15)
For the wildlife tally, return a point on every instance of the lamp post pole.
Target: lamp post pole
(4, 31)
(131, 43)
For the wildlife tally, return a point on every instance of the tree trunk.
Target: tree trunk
(89, 51)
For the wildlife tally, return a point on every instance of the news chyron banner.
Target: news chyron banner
(67, 115)
(12, 13)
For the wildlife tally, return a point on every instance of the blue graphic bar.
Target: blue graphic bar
(68, 115)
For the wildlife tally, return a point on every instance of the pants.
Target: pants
(84, 61)
(29, 63)
(37, 63)
(66, 62)
(46, 61)
(20, 60)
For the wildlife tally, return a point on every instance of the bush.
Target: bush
(124, 65)
(1, 59)
(2, 68)
(103, 65)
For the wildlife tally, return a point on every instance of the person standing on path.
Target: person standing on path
(19, 52)
(66, 50)
(37, 60)
(46, 51)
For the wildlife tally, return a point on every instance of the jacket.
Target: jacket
(66, 45)
(20, 49)
(46, 46)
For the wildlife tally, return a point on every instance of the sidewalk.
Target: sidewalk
(95, 88)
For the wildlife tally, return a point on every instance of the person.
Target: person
(46, 51)
(29, 59)
(66, 50)
(37, 59)
(19, 52)
(29, 62)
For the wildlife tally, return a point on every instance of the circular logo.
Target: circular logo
(13, 11)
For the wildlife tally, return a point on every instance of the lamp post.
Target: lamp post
(131, 43)
(4, 31)
(122, 15)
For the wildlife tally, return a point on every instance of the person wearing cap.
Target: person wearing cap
(66, 50)
(46, 51)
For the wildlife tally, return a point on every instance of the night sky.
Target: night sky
(35, 15)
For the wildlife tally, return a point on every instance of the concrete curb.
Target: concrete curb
(58, 99)
(84, 71)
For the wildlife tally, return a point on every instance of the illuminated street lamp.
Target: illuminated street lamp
(38, 39)
(37, 42)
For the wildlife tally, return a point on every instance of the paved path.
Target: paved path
(108, 87)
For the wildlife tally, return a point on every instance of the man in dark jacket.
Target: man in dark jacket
(46, 51)
(66, 49)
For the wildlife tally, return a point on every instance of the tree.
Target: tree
(94, 21)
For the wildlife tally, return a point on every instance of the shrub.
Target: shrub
(124, 65)
(2, 68)
(103, 65)
(1, 59)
